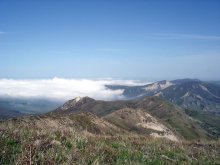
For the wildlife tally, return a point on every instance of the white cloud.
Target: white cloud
(63, 89)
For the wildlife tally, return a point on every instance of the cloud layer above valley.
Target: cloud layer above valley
(63, 89)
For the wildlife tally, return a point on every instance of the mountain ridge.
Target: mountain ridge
(186, 93)
(167, 113)
(89, 131)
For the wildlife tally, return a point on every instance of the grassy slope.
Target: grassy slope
(170, 115)
(140, 122)
(173, 117)
(58, 140)
(210, 122)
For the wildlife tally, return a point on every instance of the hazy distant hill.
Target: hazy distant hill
(5, 114)
(187, 93)
(19, 106)
(215, 82)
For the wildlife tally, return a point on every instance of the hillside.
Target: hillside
(5, 114)
(189, 94)
(123, 136)
(186, 93)
(173, 117)
(170, 115)
(194, 95)
(140, 122)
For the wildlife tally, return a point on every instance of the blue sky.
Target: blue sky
(136, 39)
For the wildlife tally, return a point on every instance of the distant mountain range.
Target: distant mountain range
(189, 94)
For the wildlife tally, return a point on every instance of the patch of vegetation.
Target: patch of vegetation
(84, 121)
(63, 140)
(10, 148)
(30, 145)
(210, 122)
(174, 118)
(81, 143)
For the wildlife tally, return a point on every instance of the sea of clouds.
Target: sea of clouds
(64, 89)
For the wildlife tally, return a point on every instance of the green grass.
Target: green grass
(210, 122)
(60, 146)
(63, 140)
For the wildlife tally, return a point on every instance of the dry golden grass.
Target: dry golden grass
(60, 140)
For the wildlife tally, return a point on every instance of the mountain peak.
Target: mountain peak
(78, 101)
(160, 85)
(186, 80)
